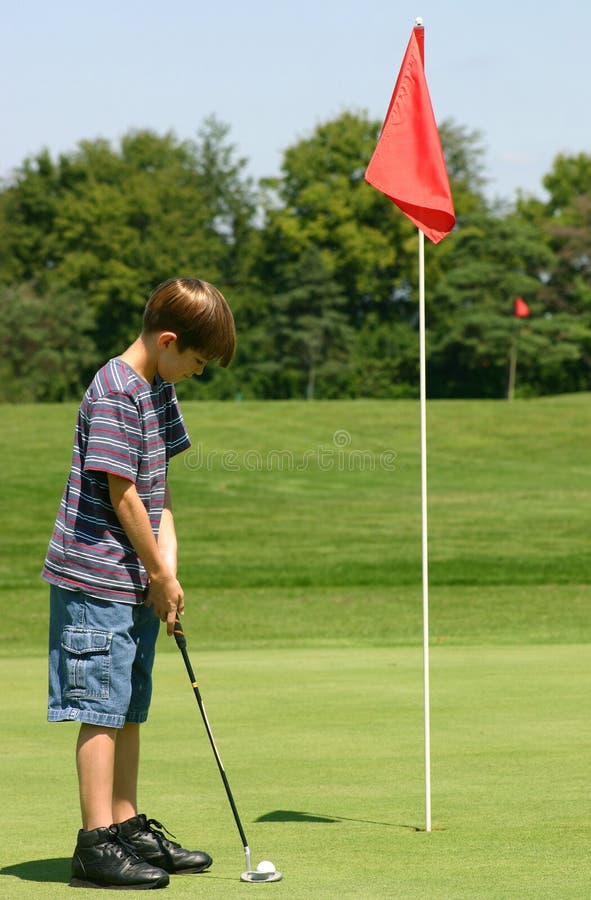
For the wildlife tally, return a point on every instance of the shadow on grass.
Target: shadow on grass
(47, 870)
(58, 871)
(290, 815)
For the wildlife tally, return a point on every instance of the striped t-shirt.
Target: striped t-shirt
(125, 427)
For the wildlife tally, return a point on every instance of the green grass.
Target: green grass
(288, 537)
(323, 750)
(299, 527)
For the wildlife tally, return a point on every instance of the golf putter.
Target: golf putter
(265, 871)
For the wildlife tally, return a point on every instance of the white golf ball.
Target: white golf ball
(265, 866)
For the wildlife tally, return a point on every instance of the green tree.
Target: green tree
(569, 177)
(111, 223)
(569, 285)
(321, 200)
(367, 246)
(470, 317)
(304, 339)
(464, 159)
(564, 219)
(44, 357)
(553, 354)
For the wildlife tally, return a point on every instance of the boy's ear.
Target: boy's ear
(164, 339)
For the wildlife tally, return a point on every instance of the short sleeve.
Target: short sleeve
(114, 437)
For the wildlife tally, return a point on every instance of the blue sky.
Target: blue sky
(519, 72)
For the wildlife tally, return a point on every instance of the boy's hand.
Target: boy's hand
(166, 597)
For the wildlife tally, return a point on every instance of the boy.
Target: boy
(111, 564)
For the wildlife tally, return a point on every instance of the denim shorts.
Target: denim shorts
(101, 655)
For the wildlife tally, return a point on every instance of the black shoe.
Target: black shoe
(102, 860)
(141, 834)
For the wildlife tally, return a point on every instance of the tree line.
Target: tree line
(319, 268)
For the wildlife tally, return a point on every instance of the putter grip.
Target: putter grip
(179, 635)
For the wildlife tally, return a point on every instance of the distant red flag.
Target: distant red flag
(407, 164)
(521, 308)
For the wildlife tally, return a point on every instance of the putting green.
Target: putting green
(324, 753)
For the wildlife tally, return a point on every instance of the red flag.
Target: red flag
(407, 164)
(521, 308)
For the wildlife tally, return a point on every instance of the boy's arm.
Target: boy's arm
(164, 592)
(167, 542)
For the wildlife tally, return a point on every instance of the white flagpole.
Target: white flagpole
(424, 541)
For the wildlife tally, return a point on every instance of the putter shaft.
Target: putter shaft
(181, 641)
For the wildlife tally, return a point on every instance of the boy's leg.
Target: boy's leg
(100, 858)
(89, 674)
(126, 765)
(107, 761)
(95, 762)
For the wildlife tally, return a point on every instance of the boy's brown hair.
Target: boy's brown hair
(197, 313)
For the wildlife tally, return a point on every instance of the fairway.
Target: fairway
(299, 527)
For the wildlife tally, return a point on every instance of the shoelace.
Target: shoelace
(118, 838)
(153, 825)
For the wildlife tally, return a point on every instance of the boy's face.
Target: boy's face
(174, 366)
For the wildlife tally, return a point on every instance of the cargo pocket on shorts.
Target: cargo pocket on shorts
(88, 663)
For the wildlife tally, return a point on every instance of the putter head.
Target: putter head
(255, 877)
(265, 871)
